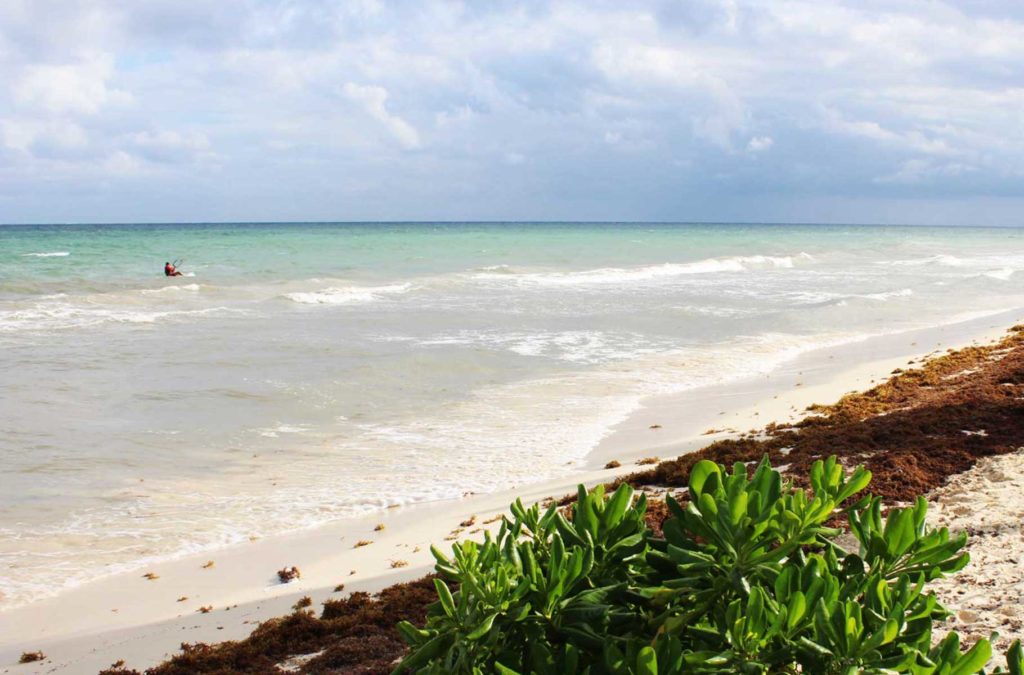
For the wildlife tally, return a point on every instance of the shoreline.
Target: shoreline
(128, 617)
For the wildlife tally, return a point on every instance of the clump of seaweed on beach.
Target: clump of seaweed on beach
(355, 634)
(909, 431)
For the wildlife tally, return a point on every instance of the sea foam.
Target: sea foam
(346, 295)
(618, 275)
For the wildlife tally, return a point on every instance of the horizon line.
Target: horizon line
(495, 222)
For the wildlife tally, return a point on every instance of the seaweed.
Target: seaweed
(352, 635)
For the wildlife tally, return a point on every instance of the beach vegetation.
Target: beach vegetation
(750, 574)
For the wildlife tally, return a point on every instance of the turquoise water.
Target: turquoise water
(308, 372)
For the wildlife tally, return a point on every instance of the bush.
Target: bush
(748, 578)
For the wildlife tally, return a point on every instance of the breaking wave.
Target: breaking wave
(347, 295)
(617, 275)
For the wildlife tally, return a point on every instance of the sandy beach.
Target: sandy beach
(142, 617)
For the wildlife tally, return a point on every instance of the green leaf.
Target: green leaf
(445, 596)
(796, 608)
(483, 629)
(699, 475)
(423, 655)
(974, 660)
(646, 662)
(1015, 659)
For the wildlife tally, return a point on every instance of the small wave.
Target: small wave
(1002, 275)
(902, 293)
(580, 346)
(50, 254)
(172, 289)
(274, 432)
(64, 317)
(825, 298)
(941, 259)
(616, 275)
(346, 295)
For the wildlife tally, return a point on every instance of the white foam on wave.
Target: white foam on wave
(64, 316)
(194, 288)
(818, 298)
(347, 295)
(274, 432)
(940, 259)
(618, 275)
(49, 254)
(901, 293)
(1003, 274)
(579, 346)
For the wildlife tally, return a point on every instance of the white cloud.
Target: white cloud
(80, 87)
(373, 100)
(24, 134)
(760, 143)
(913, 139)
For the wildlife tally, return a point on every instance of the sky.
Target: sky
(686, 110)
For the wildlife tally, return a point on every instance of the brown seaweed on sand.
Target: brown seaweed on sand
(31, 657)
(287, 574)
(352, 635)
(908, 430)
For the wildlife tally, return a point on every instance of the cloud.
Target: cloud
(760, 143)
(653, 109)
(80, 87)
(373, 100)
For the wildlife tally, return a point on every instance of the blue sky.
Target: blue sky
(803, 110)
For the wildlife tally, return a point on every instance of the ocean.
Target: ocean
(301, 373)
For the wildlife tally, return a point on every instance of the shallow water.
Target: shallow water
(308, 372)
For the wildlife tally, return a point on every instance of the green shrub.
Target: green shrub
(748, 578)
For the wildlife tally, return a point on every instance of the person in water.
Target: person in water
(170, 270)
